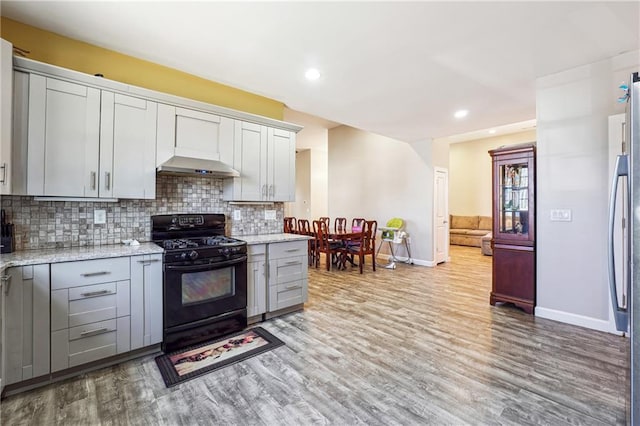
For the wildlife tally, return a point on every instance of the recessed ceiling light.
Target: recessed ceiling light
(312, 74)
(461, 113)
(492, 131)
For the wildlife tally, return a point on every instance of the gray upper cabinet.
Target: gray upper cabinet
(6, 112)
(265, 158)
(76, 135)
(190, 133)
(86, 142)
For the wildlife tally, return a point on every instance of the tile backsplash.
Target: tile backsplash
(53, 224)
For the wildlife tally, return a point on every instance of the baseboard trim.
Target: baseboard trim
(575, 319)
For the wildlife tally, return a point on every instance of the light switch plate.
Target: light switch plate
(560, 215)
(99, 216)
(269, 215)
(237, 214)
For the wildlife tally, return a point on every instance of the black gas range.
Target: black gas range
(204, 280)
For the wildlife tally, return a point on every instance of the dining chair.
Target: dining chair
(322, 244)
(326, 220)
(305, 229)
(340, 224)
(363, 244)
(290, 225)
(357, 223)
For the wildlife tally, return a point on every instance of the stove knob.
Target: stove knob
(193, 255)
(226, 250)
(183, 255)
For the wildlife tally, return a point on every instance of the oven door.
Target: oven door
(197, 291)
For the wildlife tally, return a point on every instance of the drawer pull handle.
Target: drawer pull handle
(292, 250)
(94, 332)
(290, 287)
(148, 262)
(293, 262)
(95, 274)
(95, 293)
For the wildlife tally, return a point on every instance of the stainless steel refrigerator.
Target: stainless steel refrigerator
(625, 191)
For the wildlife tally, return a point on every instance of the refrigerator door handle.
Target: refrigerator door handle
(621, 315)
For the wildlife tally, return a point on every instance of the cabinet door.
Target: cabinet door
(514, 199)
(27, 323)
(146, 300)
(189, 133)
(127, 147)
(257, 280)
(6, 88)
(64, 138)
(250, 159)
(281, 165)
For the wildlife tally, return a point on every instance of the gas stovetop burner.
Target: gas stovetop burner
(179, 244)
(215, 241)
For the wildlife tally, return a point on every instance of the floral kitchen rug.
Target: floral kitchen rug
(184, 364)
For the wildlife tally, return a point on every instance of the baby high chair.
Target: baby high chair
(392, 234)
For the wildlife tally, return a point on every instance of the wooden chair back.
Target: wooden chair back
(326, 220)
(357, 222)
(290, 225)
(364, 244)
(340, 224)
(321, 242)
(303, 227)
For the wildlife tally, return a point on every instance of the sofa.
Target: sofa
(469, 230)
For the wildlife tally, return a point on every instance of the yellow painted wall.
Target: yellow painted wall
(45, 46)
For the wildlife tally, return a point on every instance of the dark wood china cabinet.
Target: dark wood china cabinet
(513, 242)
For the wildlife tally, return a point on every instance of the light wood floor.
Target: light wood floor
(414, 345)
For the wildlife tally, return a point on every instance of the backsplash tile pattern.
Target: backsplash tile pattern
(53, 224)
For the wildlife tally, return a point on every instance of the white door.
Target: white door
(127, 147)
(281, 170)
(64, 138)
(441, 215)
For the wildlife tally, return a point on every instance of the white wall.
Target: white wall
(470, 187)
(379, 178)
(311, 166)
(572, 173)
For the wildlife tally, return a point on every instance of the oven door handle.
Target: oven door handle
(207, 266)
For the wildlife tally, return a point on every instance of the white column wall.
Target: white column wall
(573, 173)
(379, 178)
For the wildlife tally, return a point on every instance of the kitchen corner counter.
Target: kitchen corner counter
(34, 257)
(271, 238)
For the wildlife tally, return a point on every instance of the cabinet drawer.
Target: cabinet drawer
(86, 272)
(256, 252)
(76, 306)
(287, 249)
(287, 269)
(90, 342)
(287, 294)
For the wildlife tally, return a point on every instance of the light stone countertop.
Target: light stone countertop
(34, 257)
(271, 238)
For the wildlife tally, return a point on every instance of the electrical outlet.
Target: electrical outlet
(99, 217)
(269, 215)
(237, 215)
(560, 215)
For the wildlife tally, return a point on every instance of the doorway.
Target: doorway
(441, 214)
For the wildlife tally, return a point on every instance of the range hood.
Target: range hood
(187, 166)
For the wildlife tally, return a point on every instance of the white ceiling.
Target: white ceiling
(397, 69)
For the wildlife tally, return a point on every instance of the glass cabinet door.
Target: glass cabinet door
(513, 205)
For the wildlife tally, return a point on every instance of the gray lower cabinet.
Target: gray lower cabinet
(288, 271)
(90, 311)
(25, 348)
(256, 279)
(146, 300)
